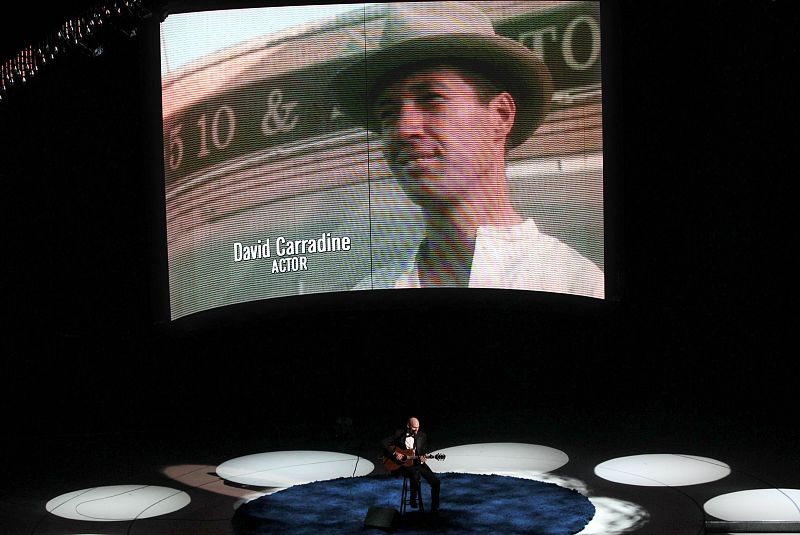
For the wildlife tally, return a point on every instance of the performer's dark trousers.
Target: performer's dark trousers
(414, 473)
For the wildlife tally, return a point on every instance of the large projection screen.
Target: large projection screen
(273, 191)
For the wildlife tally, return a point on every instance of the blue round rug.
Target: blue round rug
(469, 504)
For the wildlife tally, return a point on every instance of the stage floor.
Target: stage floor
(647, 471)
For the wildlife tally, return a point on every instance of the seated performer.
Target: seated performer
(408, 448)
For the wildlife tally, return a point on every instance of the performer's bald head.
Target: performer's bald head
(413, 424)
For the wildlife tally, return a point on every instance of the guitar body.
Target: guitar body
(392, 464)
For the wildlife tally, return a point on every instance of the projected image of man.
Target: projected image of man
(449, 99)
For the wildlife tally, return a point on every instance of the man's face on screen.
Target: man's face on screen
(437, 135)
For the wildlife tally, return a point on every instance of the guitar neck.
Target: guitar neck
(410, 455)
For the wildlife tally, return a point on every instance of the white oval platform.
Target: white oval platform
(502, 458)
(116, 503)
(287, 468)
(756, 505)
(662, 470)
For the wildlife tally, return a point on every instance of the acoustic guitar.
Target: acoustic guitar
(393, 464)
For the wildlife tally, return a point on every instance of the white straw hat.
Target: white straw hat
(424, 31)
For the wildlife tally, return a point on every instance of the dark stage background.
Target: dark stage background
(701, 227)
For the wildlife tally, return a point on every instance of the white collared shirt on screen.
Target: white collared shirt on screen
(518, 257)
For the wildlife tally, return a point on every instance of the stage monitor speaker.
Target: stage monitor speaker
(382, 517)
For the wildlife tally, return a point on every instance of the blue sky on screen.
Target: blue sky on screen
(186, 37)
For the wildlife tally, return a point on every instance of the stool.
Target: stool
(405, 497)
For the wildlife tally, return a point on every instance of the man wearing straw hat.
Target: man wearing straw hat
(449, 98)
